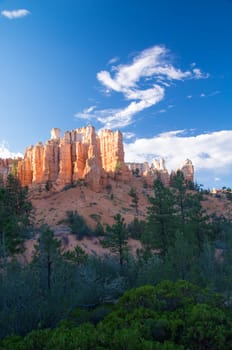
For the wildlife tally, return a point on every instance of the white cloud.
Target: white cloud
(217, 179)
(210, 151)
(162, 111)
(151, 68)
(128, 135)
(214, 93)
(199, 75)
(90, 109)
(113, 60)
(15, 13)
(6, 153)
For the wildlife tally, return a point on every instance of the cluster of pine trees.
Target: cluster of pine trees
(70, 300)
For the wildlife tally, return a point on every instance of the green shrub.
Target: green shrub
(78, 224)
(136, 228)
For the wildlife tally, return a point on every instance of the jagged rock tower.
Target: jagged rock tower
(81, 153)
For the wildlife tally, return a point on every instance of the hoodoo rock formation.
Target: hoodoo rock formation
(83, 154)
(6, 167)
(80, 154)
(158, 168)
(188, 170)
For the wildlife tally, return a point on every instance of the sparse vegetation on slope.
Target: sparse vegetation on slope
(179, 241)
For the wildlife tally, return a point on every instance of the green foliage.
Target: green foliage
(83, 337)
(47, 251)
(179, 242)
(192, 219)
(160, 228)
(76, 256)
(116, 238)
(206, 327)
(14, 216)
(118, 166)
(135, 199)
(156, 314)
(168, 316)
(180, 265)
(78, 225)
(176, 211)
(99, 230)
(229, 194)
(136, 228)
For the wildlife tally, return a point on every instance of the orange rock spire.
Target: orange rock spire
(81, 153)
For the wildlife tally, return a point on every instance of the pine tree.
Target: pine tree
(47, 253)
(135, 199)
(14, 215)
(161, 224)
(191, 218)
(116, 238)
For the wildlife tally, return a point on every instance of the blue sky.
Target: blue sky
(160, 71)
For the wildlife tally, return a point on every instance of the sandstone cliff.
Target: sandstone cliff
(158, 169)
(83, 154)
(80, 154)
(6, 166)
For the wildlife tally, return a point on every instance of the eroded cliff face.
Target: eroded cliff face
(188, 170)
(158, 169)
(83, 154)
(80, 154)
(6, 166)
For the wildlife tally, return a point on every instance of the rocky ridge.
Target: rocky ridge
(82, 154)
(158, 168)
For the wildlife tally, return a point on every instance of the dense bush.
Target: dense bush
(169, 316)
(78, 224)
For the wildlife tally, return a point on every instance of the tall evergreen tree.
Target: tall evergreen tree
(161, 223)
(47, 253)
(14, 215)
(135, 199)
(190, 217)
(116, 238)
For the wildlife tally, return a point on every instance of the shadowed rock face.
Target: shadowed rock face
(80, 154)
(6, 166)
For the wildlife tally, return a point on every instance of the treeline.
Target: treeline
(179, 241)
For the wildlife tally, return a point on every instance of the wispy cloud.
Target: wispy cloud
(198, 74)
(113, 60)
(214, 93)
(203, 94)
(142, 82)
(209, 151)
(15, 13)
(128, 135)
(6, 153)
